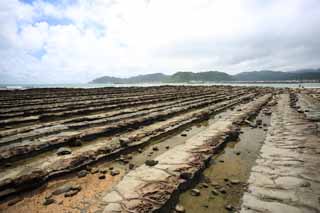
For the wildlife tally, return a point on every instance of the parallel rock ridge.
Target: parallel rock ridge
(48, 132)
(149, 188)
(287, 175)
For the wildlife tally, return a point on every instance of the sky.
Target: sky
(75, 41)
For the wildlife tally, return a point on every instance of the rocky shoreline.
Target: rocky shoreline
(142, 146)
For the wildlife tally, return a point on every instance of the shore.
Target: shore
(157, 149)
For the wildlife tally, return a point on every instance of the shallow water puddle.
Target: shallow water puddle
(224, 181)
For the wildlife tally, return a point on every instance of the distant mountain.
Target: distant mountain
(179, 77)
(149, 78)
(215, 76)
(268, 75)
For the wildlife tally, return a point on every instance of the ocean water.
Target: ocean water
(275, 85)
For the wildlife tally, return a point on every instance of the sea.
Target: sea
(86, 85)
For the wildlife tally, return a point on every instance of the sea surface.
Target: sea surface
(85, 85)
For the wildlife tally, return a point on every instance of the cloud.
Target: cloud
(78, 40)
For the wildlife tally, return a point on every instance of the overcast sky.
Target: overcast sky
(65, 41)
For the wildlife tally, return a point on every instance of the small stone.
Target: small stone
(94, 171)
(205, 206)
(214, 192)
(15, 201)
(238, 153)
(229, 207)
(63, 151)
(226, 179)
(195, 192)
(258, 122)
(184, 135)
(305, 184)
(115, 172)
(124, 142)
(221, 161)
(131, 166)
(151, 162)
(214, 184)
(103, 170)
(155, 148)
(82, 173)
(179, 209)
(223, 190)
(102, 177)
(111, 168)
(204, 185)
(167, 147)
(76, 187)
(235, 181)
(140, 150)
(48, 201)
(71, 193)
(62, 189)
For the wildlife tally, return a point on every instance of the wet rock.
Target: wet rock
(114, 172)
(179, 209)
(15, 201)
(195, 192)
(151, 162)
(48, 201)
(82, 173)
(186, 175)
(63, 151)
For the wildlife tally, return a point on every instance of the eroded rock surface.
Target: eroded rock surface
(287, 175)
(146, 189)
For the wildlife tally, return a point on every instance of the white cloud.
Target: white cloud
(75, 41)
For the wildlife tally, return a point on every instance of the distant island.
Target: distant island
(305, 75)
